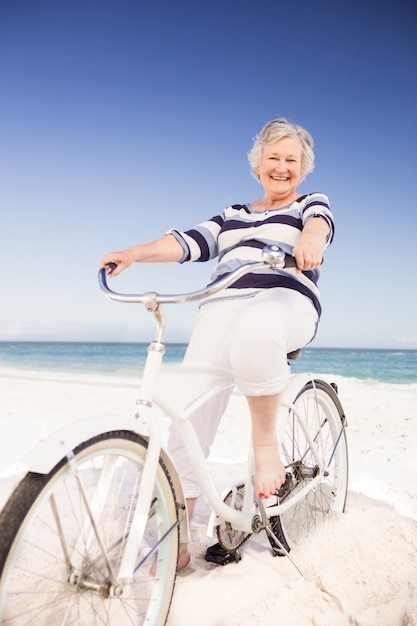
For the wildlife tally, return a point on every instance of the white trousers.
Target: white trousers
(251, 338)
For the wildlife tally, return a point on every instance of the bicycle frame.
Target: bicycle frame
(247, 519)
(93, 531)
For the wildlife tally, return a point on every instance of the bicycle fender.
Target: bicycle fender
(291, 391)
(179, 496)
(49, 451)
(294, 386)
(43, 457)
(288, 395)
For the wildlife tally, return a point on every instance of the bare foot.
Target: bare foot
(269, 470)
(183, 559)
(183, 556)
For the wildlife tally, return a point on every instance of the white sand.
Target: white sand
(361, 565)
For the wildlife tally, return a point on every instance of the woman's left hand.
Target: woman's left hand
(308, 254)
(309, 250)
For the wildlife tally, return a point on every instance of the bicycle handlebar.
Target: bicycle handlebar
(272, 256)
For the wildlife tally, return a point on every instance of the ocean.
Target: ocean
(126, 360)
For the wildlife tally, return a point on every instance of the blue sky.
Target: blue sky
(122, 119)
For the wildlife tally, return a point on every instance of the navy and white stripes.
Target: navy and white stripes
(238, 234)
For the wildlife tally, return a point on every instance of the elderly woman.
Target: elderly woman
(250, 327)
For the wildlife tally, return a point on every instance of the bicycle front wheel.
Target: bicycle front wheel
(313, 448)
(63, 534)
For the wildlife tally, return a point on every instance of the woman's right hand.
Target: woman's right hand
(163, 250)
(122, 260)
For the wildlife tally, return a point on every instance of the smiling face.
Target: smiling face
(280, 170)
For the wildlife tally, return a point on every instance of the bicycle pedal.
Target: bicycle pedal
(285, 488)
(220, 556)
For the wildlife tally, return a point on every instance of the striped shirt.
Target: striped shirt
(237, 235)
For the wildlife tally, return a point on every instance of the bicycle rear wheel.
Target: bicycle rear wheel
(58, 568)
(316, 415)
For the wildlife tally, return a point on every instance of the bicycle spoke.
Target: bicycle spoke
(313, 449)
(68, 539)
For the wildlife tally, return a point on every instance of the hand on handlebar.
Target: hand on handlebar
(115, 262)
(272, 256)
(308, 256)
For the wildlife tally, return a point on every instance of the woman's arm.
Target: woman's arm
(163, 250)
(313, 241)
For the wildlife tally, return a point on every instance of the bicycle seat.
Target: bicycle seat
(294, 355)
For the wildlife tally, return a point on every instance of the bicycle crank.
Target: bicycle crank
(229, 538)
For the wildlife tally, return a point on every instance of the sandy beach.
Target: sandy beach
(361, 565)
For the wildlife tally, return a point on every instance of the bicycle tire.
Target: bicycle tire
(318, 405)
(38, 585)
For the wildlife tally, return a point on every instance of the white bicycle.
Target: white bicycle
(91, 533)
